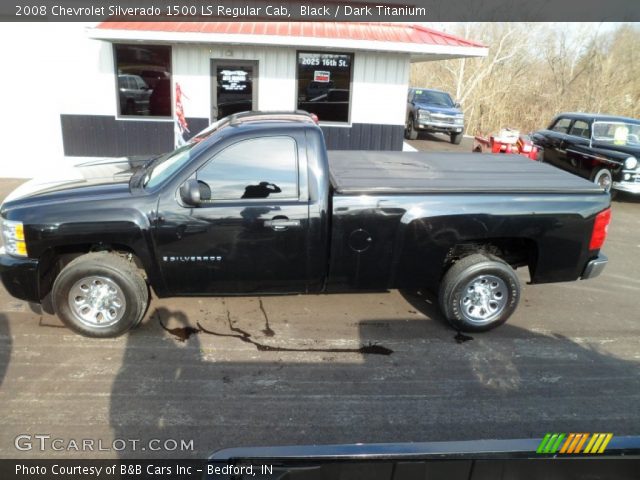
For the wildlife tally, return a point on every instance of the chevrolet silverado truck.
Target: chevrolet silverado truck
(256, 205)
(433, 111)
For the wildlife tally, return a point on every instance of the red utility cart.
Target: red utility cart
(507, 141)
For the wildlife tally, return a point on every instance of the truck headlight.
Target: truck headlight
(630, 163)
(13, 238)
(424, 115)
(459, 120)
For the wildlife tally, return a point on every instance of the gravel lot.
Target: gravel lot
(289, 370)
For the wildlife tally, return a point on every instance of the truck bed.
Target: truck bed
(357, 172)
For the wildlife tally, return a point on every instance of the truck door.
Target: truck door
(249, 233)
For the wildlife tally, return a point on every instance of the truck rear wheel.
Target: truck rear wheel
(100, 295)
(479, 293)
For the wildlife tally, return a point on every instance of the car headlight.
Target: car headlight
(13, 238)
(631, 163)
(459, 120)
(424, 115)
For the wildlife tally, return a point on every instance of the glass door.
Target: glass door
(234, 87)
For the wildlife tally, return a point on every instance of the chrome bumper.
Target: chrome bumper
(450, 127)
(595, 267)
(629, 187)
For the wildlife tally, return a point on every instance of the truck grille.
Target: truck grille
(443, 118)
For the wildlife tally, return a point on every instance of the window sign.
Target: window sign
(234, 80)
(321, 76)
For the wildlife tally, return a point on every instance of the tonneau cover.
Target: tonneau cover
(425, 172)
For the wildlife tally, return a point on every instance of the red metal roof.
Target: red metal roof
(381, 32)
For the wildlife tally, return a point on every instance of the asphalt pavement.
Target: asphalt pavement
(211, 373)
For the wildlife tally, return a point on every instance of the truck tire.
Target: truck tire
(479, 293)
(410, 131)
(100, 295)
(456, 138)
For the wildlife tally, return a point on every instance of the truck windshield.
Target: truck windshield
(434, 98)
(166, 165)
(617, 133)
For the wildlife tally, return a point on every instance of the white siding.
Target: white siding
(380, 83)
(48, 69)
(379, 80)
(276, 72)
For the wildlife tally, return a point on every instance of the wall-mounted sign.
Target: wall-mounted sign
(321, 76)
(233, 80)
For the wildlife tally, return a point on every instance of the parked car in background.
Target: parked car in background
(602, 148)
(433, 111)
(134, 95)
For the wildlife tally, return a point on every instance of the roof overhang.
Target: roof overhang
(417, 51)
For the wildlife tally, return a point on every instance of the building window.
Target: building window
(324, 85)
(144, 80)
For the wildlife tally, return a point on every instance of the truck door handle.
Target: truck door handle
(279, 224)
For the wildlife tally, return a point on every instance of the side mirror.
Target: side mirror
(457, 105)
(190, 193)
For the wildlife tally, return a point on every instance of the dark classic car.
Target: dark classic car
(602, 148)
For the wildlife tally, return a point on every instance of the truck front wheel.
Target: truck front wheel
(479, 293)
(100, 295)
(456, 138)
(410, 131)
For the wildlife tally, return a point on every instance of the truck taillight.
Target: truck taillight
(600, 228)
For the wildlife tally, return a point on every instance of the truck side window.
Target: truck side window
(562, 125)
(265, 167)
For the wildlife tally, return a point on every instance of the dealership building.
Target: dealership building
(122, 88)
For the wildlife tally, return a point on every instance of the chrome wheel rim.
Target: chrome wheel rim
(97, 301)
(604, 181)
(483, 299)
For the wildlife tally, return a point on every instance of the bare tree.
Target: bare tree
(534, 71)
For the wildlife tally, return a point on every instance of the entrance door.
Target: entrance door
(234, 87)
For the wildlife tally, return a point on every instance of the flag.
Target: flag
(180, 125)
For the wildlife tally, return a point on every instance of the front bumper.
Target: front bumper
(595, 267)
(439, 126)
(629, 187)
(20, 276)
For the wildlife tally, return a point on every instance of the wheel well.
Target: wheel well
(59, 257)
(517, 252)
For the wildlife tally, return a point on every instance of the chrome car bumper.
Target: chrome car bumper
(440, 126)
(629, 187)
(594, 267)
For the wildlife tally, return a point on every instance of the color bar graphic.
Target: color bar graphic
(572, 443)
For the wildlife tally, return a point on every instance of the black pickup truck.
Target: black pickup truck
(256, 205)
